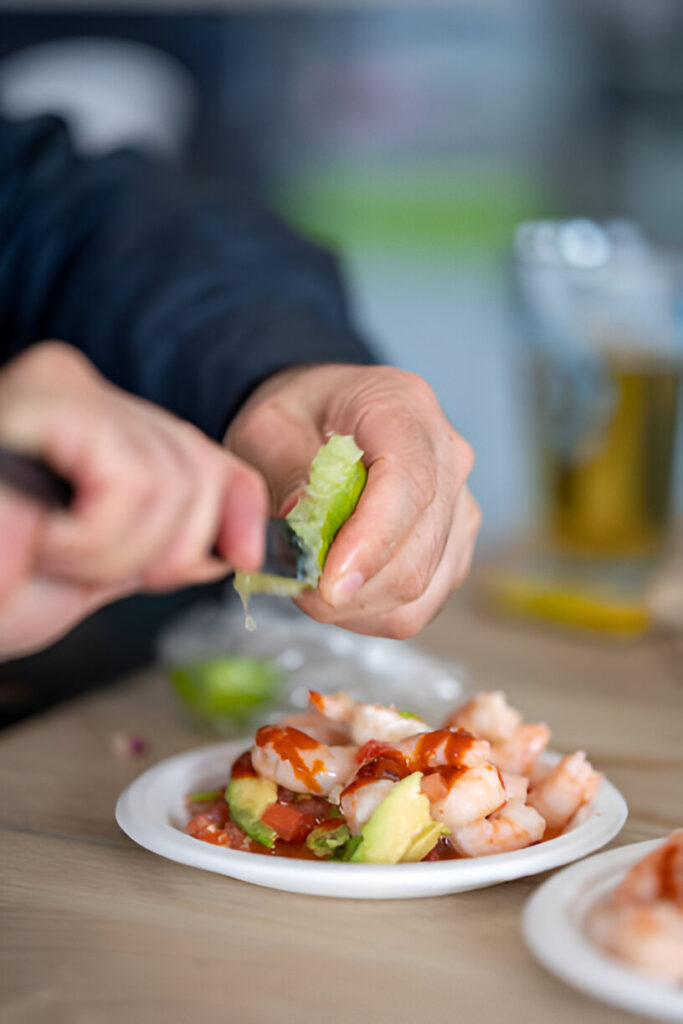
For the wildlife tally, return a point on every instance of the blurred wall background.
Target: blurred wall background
(411, 138)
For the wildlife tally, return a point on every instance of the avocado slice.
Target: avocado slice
(248, 798)
(401, 830)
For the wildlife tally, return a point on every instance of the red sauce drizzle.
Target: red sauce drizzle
(433, 748)
(388, 765)
(316, 700)
(668, 889)
(449, 773)
(287, 742)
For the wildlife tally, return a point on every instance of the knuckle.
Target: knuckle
(55, 358)
(191, 438)
(419, 388)
(265, 420)
(420, 474)
(412, 585)
(466, 456)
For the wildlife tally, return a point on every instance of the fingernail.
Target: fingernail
(346, 587)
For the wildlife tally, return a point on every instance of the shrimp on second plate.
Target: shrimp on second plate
(659, 875)
(297, 761)
(568, 787)
(513, 827)
(642, 921)
(367, 721)
(648, 936)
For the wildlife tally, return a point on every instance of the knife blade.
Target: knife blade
(32, 477)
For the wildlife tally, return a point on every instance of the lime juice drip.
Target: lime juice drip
(244, 592)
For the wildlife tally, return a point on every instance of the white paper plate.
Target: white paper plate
(553, 928)
(152, 812)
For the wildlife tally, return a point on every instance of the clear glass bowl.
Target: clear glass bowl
(232, 680)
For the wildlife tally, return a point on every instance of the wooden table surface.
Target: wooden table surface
(96, 929)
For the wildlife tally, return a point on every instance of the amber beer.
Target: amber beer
(610, 494)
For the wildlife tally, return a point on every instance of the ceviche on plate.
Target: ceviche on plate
(365, 783)
(359, 800)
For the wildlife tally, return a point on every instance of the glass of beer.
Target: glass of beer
(603, 309)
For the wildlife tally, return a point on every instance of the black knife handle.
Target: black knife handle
(33, 478)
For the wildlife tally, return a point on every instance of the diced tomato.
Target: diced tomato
(203, 826)
(307, 803)
(442, 851)
(217, 811)
(199, 823)
(317, 806)
(289, 822)
(434, 787)
(243, 768)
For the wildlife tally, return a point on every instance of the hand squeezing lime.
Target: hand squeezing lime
(336, 480)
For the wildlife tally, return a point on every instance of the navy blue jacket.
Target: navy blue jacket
(186, 294)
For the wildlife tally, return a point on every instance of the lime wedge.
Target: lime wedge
(336, 480)
(226, 692)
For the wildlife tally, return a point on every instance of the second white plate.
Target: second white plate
(152, 812)
(553, 928)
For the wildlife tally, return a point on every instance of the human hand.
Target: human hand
(410, 540)
(152, 497)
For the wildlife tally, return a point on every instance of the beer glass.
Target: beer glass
(604, 312)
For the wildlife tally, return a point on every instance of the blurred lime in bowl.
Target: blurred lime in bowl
(229, 693)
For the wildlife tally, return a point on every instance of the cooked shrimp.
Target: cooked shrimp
(642, 921)
(338, 707)
(359, 801)
(367, 721)
(487, 715)
(299, 762)
(314, 724)
(516, 786)
(379, 767)
(565, 789)
(648, 936)
(513, 827)
(460, 796)
(518, 754)
(452, 748)
(659, 875)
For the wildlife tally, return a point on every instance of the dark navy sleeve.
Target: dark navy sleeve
(188, 294)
